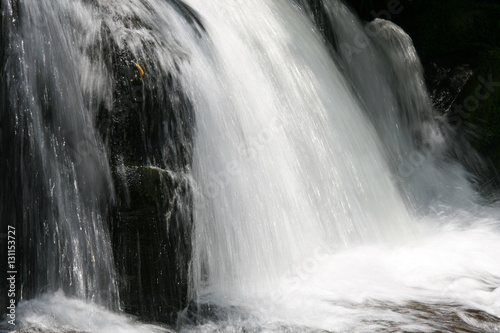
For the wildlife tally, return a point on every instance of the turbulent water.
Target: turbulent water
(325, 192)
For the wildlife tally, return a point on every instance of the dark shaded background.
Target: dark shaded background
(458, 42)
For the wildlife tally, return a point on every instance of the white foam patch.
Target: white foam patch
(338, 292)
(58, 314)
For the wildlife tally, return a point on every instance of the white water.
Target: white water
(285, 160)
(56, 313)
(65, 180)
(298, 222)
(385, 71)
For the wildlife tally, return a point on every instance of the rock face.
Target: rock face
(150, 135)
(142, 132)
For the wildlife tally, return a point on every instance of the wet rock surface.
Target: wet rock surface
(150, 134)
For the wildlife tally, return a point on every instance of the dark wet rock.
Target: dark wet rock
(441, 317)
(446, 84)
(151, 239)
(149, 133)
(196, 314)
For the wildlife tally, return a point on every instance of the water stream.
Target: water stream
(306, 183)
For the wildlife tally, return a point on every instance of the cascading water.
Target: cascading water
(285, 173)
(62, 182)
(89, 145)
(383, 66)
(286, 150)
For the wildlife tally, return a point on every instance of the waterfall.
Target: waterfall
(222, 165)
(285, 160)
(385, 72)
(95, 175)
(56, 182)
